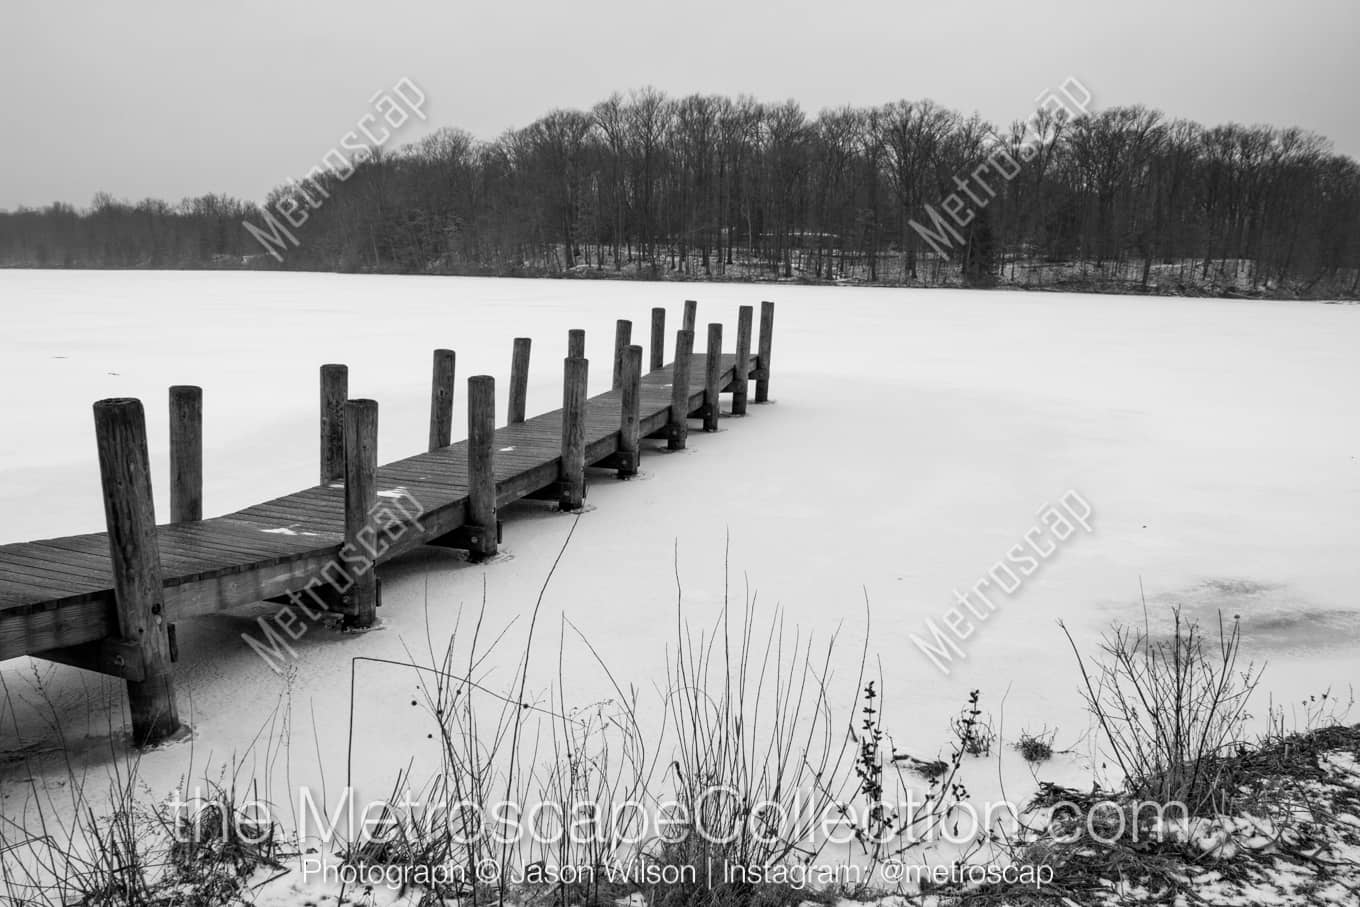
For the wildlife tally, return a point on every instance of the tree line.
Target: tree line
(712, 187)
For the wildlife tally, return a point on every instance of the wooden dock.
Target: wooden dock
(109, 601)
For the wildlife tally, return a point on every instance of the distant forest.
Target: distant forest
(709, 187)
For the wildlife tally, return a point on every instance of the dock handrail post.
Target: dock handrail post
(441, 399)
(658, 349)
(623, 338)
(519, 380)
(572, 490)
(630, 413)
(677, 430)
(741, 371)
(186, 453)
(334, 392)
(361, 499)
(766, 341)
(138, 586)
(481, 507)
(691, 314)
(712, 374)
(576, 343)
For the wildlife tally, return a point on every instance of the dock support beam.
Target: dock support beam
(766, 341)
(129, 513)
(623, 338)
(658, 339)
(361, 499)
(186, 454)
(678, 429)
(630, 418)
(519, 380)
(691, 313)
(712, 375)
(576, 344)
(441, 399)
(334, 392)
(741, 371)
(572, 487)
(481, 532)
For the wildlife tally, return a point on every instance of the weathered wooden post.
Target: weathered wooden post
(691, 313)
(481, 506)
(334, 392)
(741, 372)
(766, 341)
(677, 431)
(658, 339)
(138, 588)
(441, 400)
(576, 344)
(630, 419)
(186, 453)
(572, 489)
(361, 498)
(712, 374)
(623, 338)
(519, 380)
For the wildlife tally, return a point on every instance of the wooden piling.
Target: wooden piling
(712, 374)
(576, 344)
(572, 487)
(139, 599)
(361, 498)
(186, 453)
(441, 400)
(766, 341)
(678, 428)
(630, 419)
(334, 392)
(623, 338)
(741, 372)
(481, 506)
(658, 339)
(519, 380)
(691, 313)
(245, 557)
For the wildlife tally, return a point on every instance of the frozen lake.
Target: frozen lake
(913, 439)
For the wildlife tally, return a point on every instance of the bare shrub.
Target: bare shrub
(1170, 709)
(878, 813)
(973, 732)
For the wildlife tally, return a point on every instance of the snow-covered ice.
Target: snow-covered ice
(913, 438)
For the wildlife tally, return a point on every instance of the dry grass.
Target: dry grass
(748, 710)
(107, 840)
(1036, 746)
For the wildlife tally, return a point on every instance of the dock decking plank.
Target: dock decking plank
(58, 592)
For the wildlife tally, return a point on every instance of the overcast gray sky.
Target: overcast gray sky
(171, 98)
